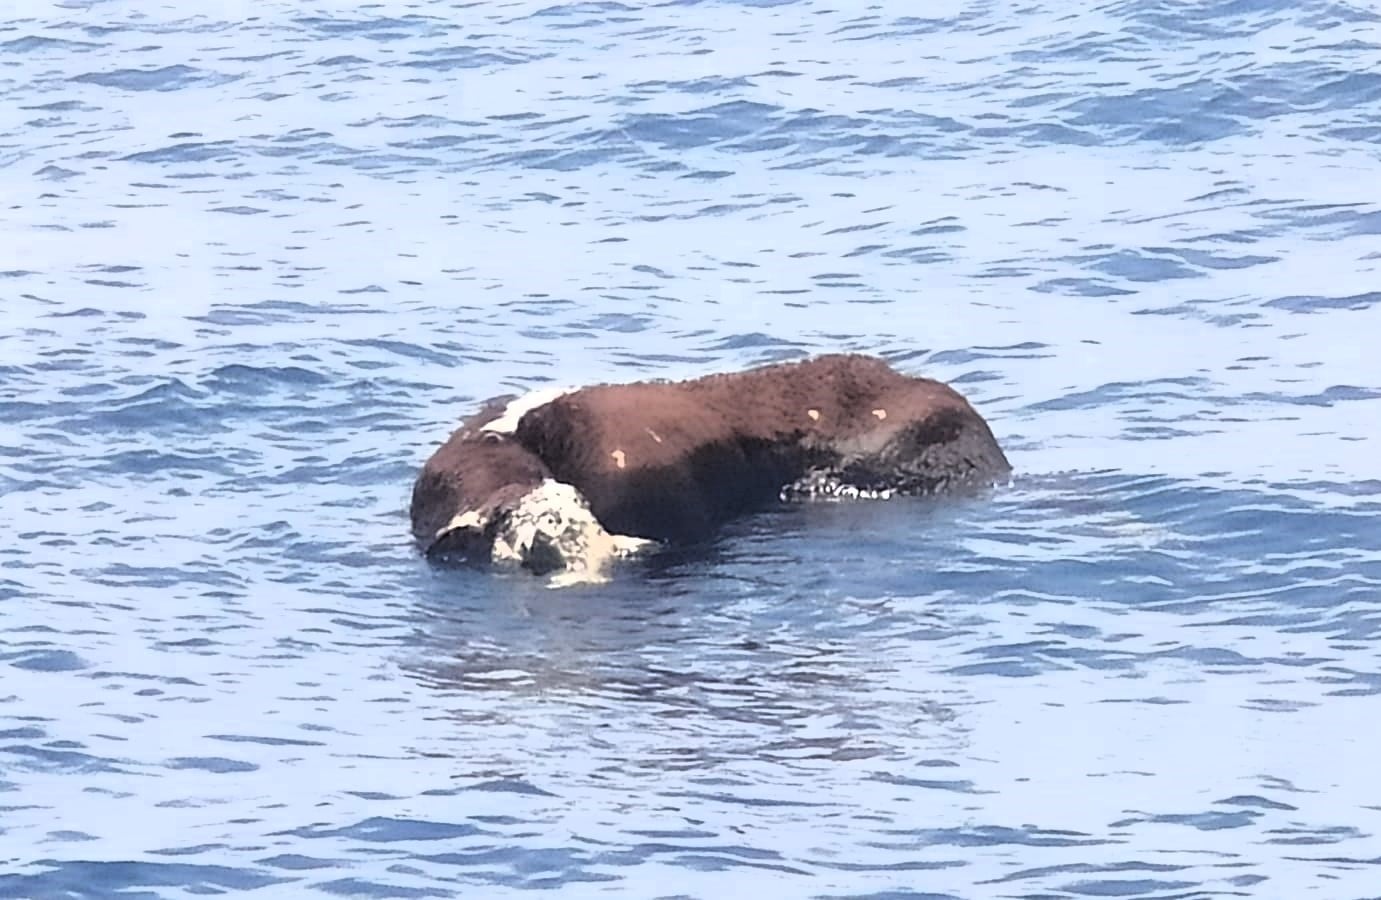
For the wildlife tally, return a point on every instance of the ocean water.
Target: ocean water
(256, 259)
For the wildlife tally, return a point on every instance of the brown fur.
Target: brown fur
(670, 461)
(474, 470)
(730, 442)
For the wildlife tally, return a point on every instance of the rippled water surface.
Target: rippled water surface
(256, 259)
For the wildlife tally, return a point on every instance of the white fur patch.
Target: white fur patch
(554, 519)
(469, 519)
(507, 422)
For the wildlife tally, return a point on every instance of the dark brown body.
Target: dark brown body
(672, 460)
(474, 470)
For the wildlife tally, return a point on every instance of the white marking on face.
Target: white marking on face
(814, 414)
(655, 436)
(468, 519)
(557, 516)
(880, 413)
(507, 422)
(620, 458)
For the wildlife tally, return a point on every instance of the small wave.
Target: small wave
(167, 78)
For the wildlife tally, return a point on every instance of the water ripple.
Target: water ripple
(236, 321)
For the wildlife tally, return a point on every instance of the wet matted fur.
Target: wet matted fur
(670, 461)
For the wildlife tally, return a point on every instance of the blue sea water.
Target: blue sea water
(256, 259)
